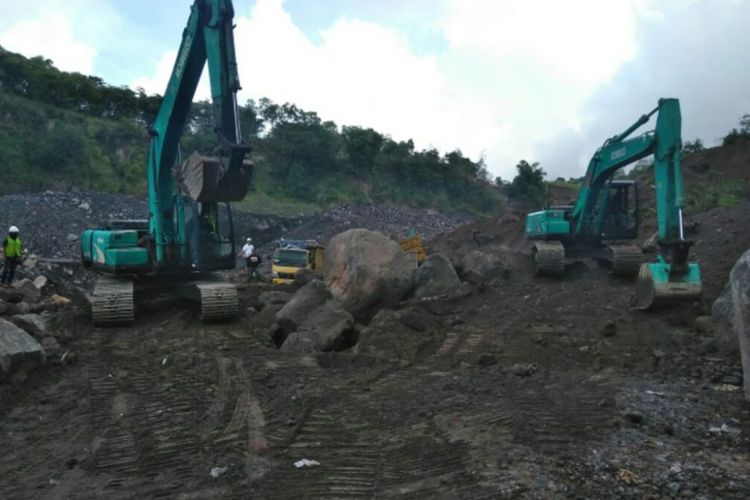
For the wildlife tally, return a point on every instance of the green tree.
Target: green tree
(738, 135)
(690, 147)
(528, 185)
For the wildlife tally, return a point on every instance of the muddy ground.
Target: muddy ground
(516, 393)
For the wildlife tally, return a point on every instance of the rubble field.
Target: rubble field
(516, 387)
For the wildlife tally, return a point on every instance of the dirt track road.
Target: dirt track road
(522, 396)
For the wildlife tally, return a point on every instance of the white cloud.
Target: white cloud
(507, 78)
(52, 36)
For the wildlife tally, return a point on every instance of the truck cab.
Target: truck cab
(293, 255)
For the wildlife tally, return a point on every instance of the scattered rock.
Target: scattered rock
(272, 298)
(366, 272)
(72, 237)
(436, 276)
(609, 329)
(524, 369)
(10, 295)
(704, 324)
(40, 281)
(29, 291)
(33, 324)
(18, 349)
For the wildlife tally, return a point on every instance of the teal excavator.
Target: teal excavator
(606, 216)
(189, 233)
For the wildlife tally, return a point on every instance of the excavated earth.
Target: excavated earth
(526, 388)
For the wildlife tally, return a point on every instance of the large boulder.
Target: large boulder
(272, 298)
(313, 321)
(436, 277)
(18, 349)
(366, 271)
(482, 264)
(732, 313)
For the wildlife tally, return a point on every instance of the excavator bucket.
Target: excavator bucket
(656, 286)
(207, 179)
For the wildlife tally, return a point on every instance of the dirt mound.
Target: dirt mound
(485, 249)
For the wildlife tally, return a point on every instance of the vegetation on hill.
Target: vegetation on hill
(62, 130)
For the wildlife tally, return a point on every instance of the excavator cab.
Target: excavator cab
(621, 214)
(209, 235)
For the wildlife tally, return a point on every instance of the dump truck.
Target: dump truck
(293, 255)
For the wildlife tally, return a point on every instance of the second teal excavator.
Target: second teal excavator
(606, 215)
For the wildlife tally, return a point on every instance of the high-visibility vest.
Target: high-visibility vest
(12, 247)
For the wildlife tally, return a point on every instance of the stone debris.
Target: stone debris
(18, 349)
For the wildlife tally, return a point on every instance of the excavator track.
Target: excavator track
(549, 258)
(626, 260)
(112, 302)
(218, 301)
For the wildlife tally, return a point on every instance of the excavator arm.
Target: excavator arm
(207, 38)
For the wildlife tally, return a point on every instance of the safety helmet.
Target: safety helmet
(13, 229)
(249, 240)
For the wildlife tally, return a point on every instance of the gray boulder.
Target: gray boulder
(726, 338)
(313, 321)
(732, 313)
(436, 277)
(273, 298)
(366, 271)
(481, 265)
(10, 295)
(305, 276)
(18, 349)
(34, 324)
(28, 289)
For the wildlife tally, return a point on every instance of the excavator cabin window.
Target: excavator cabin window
(621, 216)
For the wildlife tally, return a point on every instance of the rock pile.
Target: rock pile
(367, 278)
(28, 337)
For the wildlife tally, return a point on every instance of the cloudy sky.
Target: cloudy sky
(542, 80)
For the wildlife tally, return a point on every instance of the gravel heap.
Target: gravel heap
(389, 220)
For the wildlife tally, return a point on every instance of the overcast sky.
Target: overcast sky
(543, 80)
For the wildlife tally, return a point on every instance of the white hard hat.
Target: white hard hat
(13, 229)
(249, 240)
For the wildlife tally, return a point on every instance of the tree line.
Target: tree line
(62, 125)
